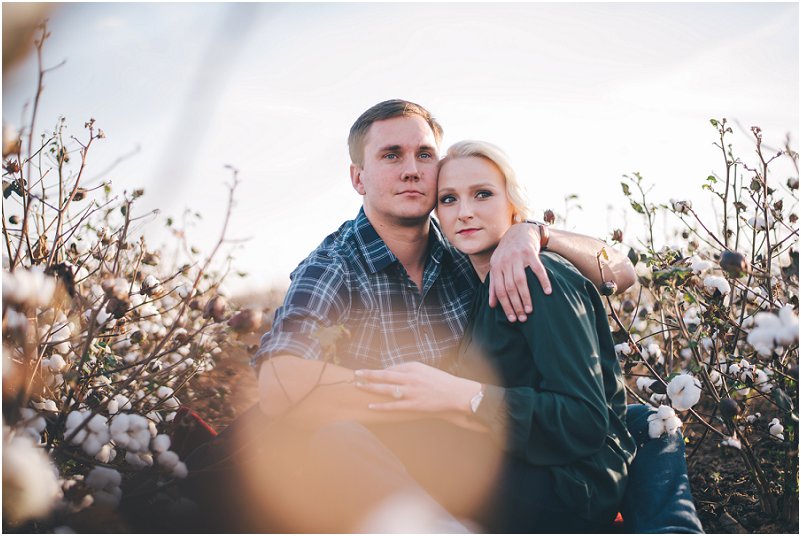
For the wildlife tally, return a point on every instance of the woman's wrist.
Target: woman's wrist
(466, 393)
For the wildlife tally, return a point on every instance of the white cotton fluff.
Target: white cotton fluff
(55, 363)
(168, 459)
(106, 485)
(681, 206)
(644, 384)
(751, 419)
(32, 423)
(131, 432)
(746, 370)
(775, 428)
(762, 382)
(118, 402)
(623, 349)
(663, 421)
(657, 398)
(732, 442)
(684, 392)
(30, 481)
(179, 470)
(91, 437)
(758, 221)
(654, 351)
(139, 460)
(773, 330)
(106, 454)
(160, 443)
(30, 287)
(699, 265)
(716, 378)
(45, 405)
(715, 282)
(692, 316)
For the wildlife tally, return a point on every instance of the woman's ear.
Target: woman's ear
(356, 178)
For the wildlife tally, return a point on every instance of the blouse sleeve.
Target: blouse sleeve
(564, 416)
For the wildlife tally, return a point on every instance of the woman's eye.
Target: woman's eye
(447, 199)
(483, 194)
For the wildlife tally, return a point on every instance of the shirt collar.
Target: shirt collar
(376, 253)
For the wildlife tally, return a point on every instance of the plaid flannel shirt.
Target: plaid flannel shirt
(352, 279)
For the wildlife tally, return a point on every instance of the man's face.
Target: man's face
(398, 177)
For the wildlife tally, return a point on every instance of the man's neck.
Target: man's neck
(408, 241)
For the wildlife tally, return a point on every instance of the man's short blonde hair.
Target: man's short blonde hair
(379, 112)
(482, 149)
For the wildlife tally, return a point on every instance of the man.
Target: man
(402, 293)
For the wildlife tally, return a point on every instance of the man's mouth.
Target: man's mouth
(412, 193)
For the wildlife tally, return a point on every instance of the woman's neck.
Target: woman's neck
(481, 263)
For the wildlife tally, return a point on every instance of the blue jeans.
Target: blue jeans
(658, 497)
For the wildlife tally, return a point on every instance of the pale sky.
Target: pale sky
(577, 95)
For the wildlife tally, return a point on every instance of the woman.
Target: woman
(556, 401)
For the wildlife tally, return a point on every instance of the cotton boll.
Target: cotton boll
(130, 431)
(657, 398)
(30, 482)
(713, 283)
(161, 443)
(180, 470)
(139, 460)
(681, 206)
(775, 428)
(684, 392)
(762, 382)
(663, 421)
(106, 485)
(623, 349)
(644, 384)
(716, 378)
(168, 459)
(699, 265)
(788, 332)
(732, 442)
(106, 454)
(92, 445)
(751, 419)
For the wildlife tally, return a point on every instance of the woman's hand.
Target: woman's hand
(418, 387)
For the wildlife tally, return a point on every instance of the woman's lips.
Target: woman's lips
(468, 232)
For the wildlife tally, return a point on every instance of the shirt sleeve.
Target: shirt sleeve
(564, 415)
(317, 298)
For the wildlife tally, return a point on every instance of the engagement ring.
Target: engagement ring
(397, 392)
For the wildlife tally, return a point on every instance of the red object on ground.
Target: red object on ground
(189, 431)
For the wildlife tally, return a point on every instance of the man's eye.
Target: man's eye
(483, 194)
(447, 199)
(390, 156)
(426, 155)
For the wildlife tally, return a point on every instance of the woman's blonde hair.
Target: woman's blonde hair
(483, 149)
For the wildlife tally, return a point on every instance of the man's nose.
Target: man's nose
(410, 171)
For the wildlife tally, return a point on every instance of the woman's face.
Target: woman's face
(473, 207)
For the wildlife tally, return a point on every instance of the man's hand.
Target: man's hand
(518, 248)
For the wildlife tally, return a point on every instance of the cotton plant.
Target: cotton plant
(723, 309)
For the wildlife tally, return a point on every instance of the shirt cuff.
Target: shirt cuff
(491, 410)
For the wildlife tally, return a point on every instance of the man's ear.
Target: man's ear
(356, 178)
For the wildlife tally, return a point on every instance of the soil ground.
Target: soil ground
(726, 498)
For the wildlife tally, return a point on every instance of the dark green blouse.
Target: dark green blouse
(557, 398)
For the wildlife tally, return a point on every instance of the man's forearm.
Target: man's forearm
(582, 252)
(310, 393)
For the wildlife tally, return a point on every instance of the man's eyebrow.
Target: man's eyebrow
(393, 148)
